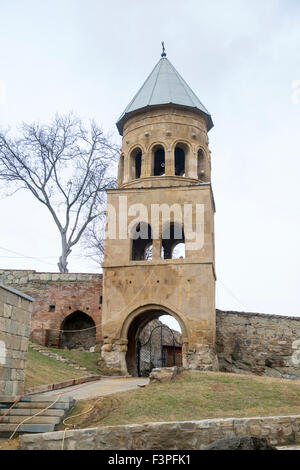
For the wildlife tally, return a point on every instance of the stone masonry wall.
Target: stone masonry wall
(184, 435)
(246, 342)
(167, 334)
(15, 316)
(258, 343)
(57, 295)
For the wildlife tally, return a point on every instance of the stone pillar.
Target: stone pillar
(15, 317)
(169, 162)
(156, 252)
(146, 170)
(126, 168)
(113, 357)
(191, 165)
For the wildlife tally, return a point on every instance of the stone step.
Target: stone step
(41, 419)
(44, 404)
(27, 407)
(33, 398)
(30, 428)
(32, 411)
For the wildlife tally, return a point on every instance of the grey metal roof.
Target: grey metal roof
(163, 86)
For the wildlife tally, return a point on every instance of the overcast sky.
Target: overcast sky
(241, 57)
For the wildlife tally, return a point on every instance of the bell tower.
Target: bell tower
(159, 249)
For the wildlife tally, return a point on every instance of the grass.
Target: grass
(43, 370)
(192, 396)
(83, 358)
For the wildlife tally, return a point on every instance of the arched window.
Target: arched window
(179, 160)
(142, 242)
(173, 242)
(158, 161)
(201, 165)
(136, 163)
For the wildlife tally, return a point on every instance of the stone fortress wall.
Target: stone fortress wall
(246, 342)
(258, 343)
(254, 343)
(15, 316)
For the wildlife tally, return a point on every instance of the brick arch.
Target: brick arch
(78, 329)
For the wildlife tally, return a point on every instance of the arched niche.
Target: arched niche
(78, 330)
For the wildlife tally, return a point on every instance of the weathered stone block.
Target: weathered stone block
(14, 342)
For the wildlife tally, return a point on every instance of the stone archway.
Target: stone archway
(78, 330)
(133, 326)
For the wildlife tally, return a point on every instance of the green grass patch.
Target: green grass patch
(193, 396)
(43, 370)
(82, 358)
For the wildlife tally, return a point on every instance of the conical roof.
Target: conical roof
(164, 86)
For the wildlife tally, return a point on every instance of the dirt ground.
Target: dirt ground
(5, 444)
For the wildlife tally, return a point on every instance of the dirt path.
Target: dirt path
(100, 388)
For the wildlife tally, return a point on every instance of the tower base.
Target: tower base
(113, 359)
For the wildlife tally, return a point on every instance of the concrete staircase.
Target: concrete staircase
(27, 407)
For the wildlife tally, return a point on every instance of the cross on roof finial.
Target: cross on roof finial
(163, 54)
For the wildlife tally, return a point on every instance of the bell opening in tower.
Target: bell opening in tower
(179, 161)
(159, 161)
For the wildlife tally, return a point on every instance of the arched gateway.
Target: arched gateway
(135, 324)
(166, 192)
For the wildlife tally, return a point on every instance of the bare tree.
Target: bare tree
(93, 239)
(66, 166)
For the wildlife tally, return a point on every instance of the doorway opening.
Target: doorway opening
(154, 340)
(78, 330)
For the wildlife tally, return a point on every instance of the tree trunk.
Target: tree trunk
(62, 264)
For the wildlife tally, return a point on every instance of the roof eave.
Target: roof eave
(124, 117)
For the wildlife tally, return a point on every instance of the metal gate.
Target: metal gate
(161, 349)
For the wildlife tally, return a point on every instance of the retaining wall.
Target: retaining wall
(186, 435)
